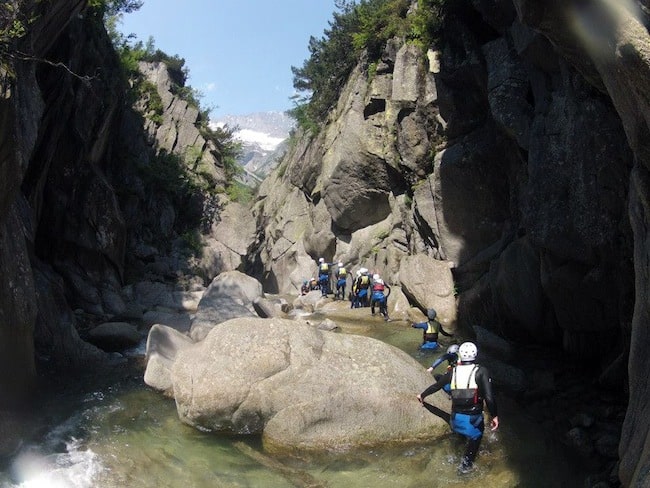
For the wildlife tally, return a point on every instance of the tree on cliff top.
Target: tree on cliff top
(364, 26)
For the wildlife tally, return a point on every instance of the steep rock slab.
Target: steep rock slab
(230, 295)
(429, 283)
(302, 388)
(163, 344)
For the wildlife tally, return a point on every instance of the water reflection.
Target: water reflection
(127, 435)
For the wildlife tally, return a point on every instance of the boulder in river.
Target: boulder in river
(303, 389)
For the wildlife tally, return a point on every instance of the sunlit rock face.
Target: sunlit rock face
(493, 154)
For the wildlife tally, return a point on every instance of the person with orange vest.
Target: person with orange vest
(471, 387)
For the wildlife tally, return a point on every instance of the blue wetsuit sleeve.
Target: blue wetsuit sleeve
(421, 325)
(441, 359)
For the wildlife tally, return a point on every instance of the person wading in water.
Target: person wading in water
(471, 386)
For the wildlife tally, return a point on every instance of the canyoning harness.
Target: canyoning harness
(430, 334)
(465, 396)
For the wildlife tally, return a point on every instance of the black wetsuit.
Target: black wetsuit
(467, 410)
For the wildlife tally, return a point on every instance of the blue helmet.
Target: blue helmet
(431, 313)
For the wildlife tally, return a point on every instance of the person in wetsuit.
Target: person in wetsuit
(430, 330)
(451, 356)
(471, 387)
(379, 297)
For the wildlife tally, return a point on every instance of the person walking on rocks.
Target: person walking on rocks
(324, 276)
(379, 296)
(360, 289)
(471, 387)
(430, 330)
(341, 281)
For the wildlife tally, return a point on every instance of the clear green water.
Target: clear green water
(124, 434)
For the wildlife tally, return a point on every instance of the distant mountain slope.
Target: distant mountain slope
(262, 135)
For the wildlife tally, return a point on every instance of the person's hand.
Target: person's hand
(494, 424)
(429, 370)
(419, 397)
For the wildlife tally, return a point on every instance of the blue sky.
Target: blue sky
(239, 52)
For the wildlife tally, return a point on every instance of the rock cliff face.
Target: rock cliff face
(515, 152)
(513, 156)
(89, 192)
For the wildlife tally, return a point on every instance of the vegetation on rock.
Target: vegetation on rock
(364, 26)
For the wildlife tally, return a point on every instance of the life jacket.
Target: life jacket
(378, 286)
(464, 389)
(363, 281)
(342, 272)
(431, 333)
(324, 268)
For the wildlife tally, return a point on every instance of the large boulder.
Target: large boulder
(428, 283)
(303, 389)
(163, 344)
(230, 295)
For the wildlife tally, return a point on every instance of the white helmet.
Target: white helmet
(467, 352)
(453, 349)
(363, 270)
(340, 264)
(321, 260)
(375, 277)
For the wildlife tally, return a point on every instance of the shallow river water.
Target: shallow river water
(123, 434)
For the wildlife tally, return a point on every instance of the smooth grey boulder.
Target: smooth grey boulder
(303, 389)
(230, 295)
(163, 344)
(429, 283)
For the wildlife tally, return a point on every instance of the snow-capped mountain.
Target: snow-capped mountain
(262, 135)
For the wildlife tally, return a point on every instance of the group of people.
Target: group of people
(367, 291)
(467, 383)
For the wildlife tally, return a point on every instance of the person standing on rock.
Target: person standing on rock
(341, 281)
(324, 276)
(430, 330)
(360, 289)
(471, 386)
(379, 296)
